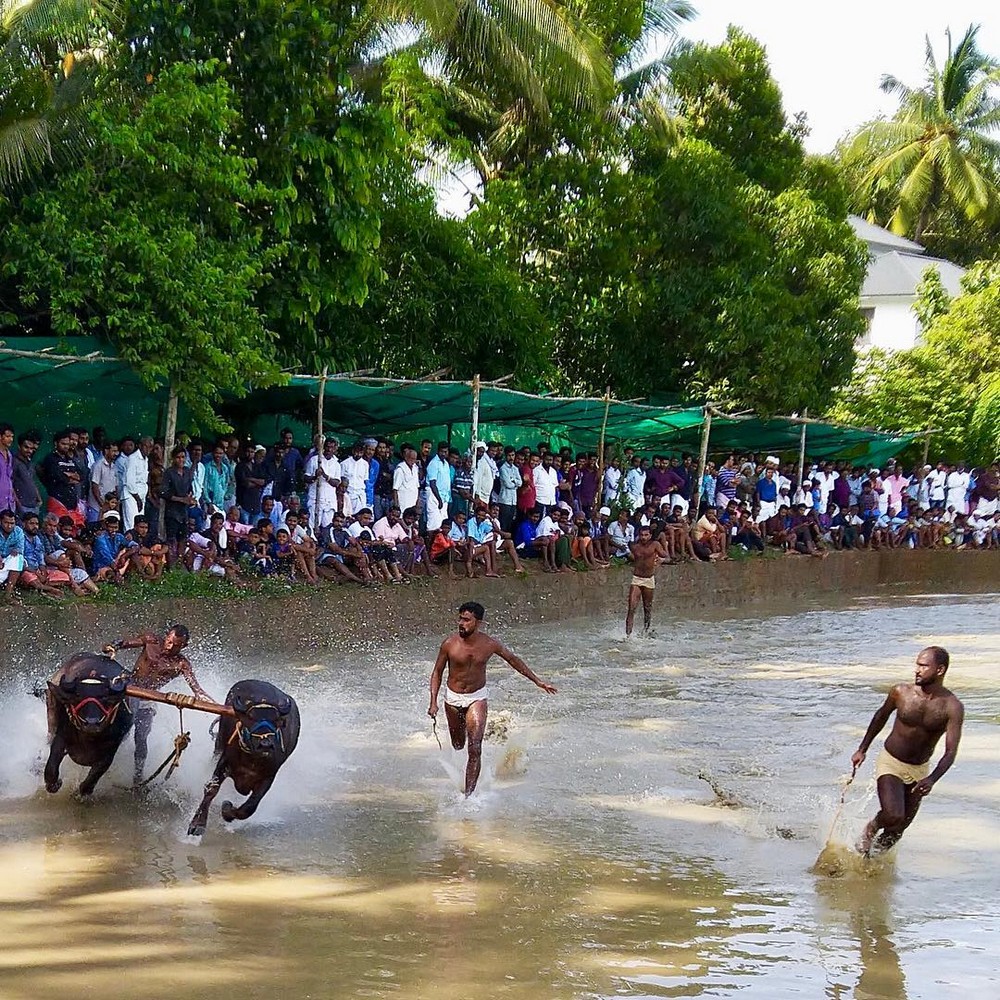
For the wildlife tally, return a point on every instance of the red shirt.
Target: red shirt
(526, 493)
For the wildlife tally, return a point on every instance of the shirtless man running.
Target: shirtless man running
(160, 662)
(646, 553)
(466, 655)
(925, 711)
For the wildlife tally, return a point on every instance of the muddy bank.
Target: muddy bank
(347, 620)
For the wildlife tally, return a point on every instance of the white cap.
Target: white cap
(606, 511)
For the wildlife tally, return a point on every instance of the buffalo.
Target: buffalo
(88, 717)
(251, 745)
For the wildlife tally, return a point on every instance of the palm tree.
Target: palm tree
(48, 59)
(502, 72)
(939, 151)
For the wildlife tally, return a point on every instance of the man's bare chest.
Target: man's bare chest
(918, 713)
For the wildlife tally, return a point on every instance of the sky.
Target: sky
(828, 58)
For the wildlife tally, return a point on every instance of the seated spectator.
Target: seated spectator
(11, 552)
(342, 557)
(503, 540)
(482, 544)
(303, 547)
(621, 535)
(37, 574)
(443, 548)
(147, 554)
(708, 539)
(110, 547)
(546, 536)
(58, 558)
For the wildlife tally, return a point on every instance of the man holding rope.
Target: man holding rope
(160, 662)
(466, 655)
(925, 711)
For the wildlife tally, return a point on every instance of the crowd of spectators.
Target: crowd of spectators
(95, 510)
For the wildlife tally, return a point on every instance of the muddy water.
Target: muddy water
(596, 860)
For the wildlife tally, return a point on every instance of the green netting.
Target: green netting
(48, 393)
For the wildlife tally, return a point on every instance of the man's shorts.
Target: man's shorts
(176, 531)
(909, 774)
(644, 582)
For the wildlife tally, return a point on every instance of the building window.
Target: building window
(865, 340)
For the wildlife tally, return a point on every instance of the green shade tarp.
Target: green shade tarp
(48, 393)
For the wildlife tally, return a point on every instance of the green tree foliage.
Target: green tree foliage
(935, 161)
(950, 383)
(48, 66)
(313, 142)
(152, 243)
(675, 271)
(932, 298)
(442, 303)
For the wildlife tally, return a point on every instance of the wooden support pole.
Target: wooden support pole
(927, 445)
(180, 700)
(169, 440)
(320, 400)
(601, 446)
(706, 430)
(802, 448)
(475, 423)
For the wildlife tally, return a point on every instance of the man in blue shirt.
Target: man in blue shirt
(11, 552)
(438, 493)
(482, 543)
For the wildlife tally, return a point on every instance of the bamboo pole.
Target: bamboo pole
(180, 700)
(927, 445)
(475, 423)
(320, 400)
(169, 437)
(320, 434)
(601, 446)
(802, 448)
(706, 430)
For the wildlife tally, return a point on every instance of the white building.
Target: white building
(890, 289)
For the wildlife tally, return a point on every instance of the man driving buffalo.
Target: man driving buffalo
(160, 662)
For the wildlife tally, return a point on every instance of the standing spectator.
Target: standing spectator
(176, 493)
(103, 480)
(510, 483)
(354, 472)
(135, 484)
(546, 480)
(374, 467)
(218, 479)
(725, 483)
(438, 487)
(7, 498)
(197, 466)
(275, 474)
(323, 475)
(250, 480)
(957, 486)
(61, 479)
(462, 485)
(28, 496)
(526, 495)
(406, 480)
(612, 480)
(485, 476)
(635, 483)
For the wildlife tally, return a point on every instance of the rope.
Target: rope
(840, 808)
(434, 729)
(181, 742)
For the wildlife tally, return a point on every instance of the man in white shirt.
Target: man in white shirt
(135, 483)
(323, 476)
(957, 487)
(546, 535)
(486, 471)
(938, 485)
(612, 480)
(635, 483)
(546, 483)
(103, 480)
(621, 535)
(406, 481)
(354, 471)
(826, 477)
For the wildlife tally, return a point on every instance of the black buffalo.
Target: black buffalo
(251, 746)
(88, 717)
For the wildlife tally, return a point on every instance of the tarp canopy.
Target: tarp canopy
(50, 391)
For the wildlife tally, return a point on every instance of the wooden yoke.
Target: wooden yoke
(180, 700)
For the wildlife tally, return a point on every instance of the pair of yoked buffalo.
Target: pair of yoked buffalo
(89, 715)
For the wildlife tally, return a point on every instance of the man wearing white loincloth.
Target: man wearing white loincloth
(466, 655)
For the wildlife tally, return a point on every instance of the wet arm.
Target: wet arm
(437, 675)
(879, 719)
(951, 739)
(188, 674)
(522, 668)
(137, 643)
